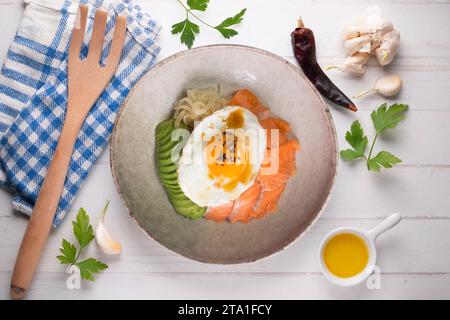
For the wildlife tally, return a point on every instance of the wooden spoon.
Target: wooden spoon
(86, 81)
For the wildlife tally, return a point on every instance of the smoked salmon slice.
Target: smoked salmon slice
(219, 213)
(283, 125)
(278, 165)
(270, 124)
(268, 201)
(246, 99)
(243, 207)
(276, 123)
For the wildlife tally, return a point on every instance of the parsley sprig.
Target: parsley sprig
(189, 29)
(70, 255)
(383, 118)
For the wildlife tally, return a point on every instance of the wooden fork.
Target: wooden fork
(86, 81)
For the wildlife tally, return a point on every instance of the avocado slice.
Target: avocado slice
(165, 162)
(167, 171)
(192, 212)
(164, 128)
(164, 155)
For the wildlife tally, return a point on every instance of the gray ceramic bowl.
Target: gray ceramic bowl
(282, 87)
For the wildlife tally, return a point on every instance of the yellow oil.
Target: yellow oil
(346, 255)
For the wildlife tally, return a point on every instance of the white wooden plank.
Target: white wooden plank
(231, 286)
(419, 139)
(269, 23)
(426, 83)
(7, 2)
(414, 246)
(415, 192)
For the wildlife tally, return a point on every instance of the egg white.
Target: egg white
(193, 171)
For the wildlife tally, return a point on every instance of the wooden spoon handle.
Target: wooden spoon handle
(44, 210)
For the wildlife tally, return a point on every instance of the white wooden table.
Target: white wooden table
(414, 257)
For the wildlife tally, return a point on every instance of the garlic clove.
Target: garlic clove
(352, 35)
(103, 237)
(356, 63)
(388, 48)
(366, 48)
(105, 241)
(389, 86)
(353, 64)
(383, 56)
(375, 40)
(352, 46)
(358, 58)
(357, 69)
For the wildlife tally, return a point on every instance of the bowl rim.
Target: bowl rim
(325, 108)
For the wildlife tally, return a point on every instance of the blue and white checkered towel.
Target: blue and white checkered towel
(33, 94)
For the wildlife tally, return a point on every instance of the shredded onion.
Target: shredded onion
(198, 104)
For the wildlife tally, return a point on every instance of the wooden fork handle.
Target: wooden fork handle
(45, 208)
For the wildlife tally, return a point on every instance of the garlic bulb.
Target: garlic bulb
(369, 35)
(103, 238)
(388, 86)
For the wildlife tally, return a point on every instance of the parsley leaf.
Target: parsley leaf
(84, 233)
(224, 29)
(89, 267)
(356, 138)
(200, 5)
(349, 154)
(188, 35)
(383, 118)
(188, 29)
(388, 118)
(82, 229)
(178, 27)
(68, 251)
(383, 158)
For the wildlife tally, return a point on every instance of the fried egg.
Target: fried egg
(222, 157)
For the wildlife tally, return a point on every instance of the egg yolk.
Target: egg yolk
(228, 155)
(235, 120)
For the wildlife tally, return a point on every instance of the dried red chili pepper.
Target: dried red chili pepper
(304, 47)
